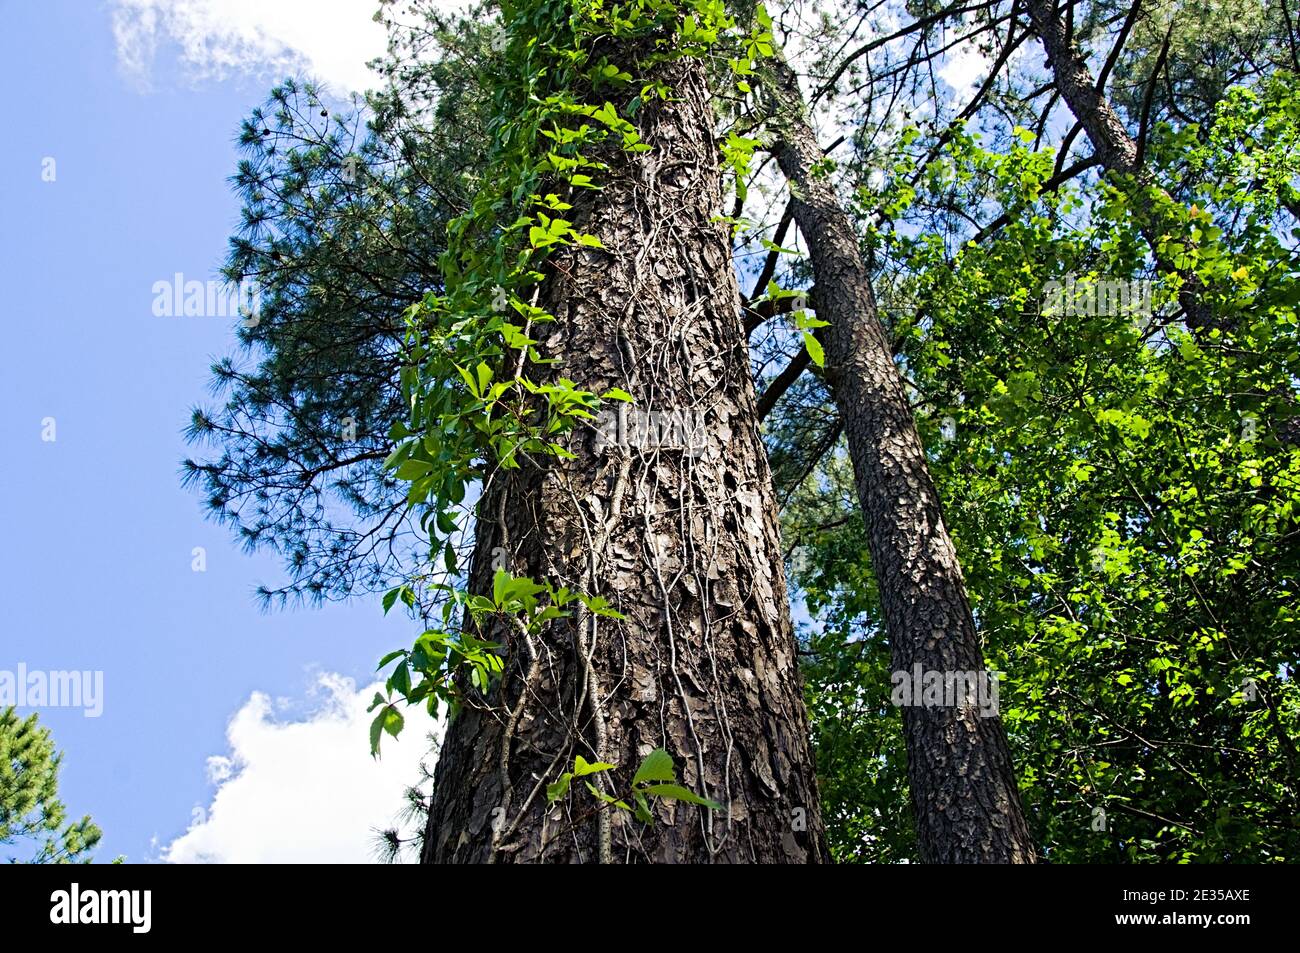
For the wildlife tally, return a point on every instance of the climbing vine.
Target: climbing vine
(474, 411)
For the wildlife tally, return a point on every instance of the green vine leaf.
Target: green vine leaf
(678, 793)
(657, 766)
(581, 768)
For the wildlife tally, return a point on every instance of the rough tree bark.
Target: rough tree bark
(1110, 140)
(682, 540)
(964, 792)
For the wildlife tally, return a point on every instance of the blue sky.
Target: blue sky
(97, 571)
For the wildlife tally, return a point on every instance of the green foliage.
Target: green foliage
(1123, 493)
(344, 219)
(428, 672)
(32, 818)
(546, 136)
(656, 777)
(472, 408)
(1213, 45)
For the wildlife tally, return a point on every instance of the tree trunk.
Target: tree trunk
(1105, 130)
(678, 531)
(964, 791)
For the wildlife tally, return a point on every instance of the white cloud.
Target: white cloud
(304, 791)
(964, 67)
(329, 40)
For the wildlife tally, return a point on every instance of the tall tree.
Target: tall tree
(1118, 151)
(344, 219)
(599, 230)
(1113, 500)
(1071, 438)
(963, 787)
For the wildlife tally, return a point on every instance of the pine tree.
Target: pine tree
(661, 719)
(964, 793)
(33, 821)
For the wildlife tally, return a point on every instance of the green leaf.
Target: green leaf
(599, 605)
(388, 658)
(560, 788)
(376, 733)
(642, 812)
(400, 680)
(657, 766)
(414, 469)
(393, 721)
(772, 246)
(446, 523)
(582, 768)
(605, 797)
(679, 793)
(815, 350)
(469, 380)
(390, 597)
